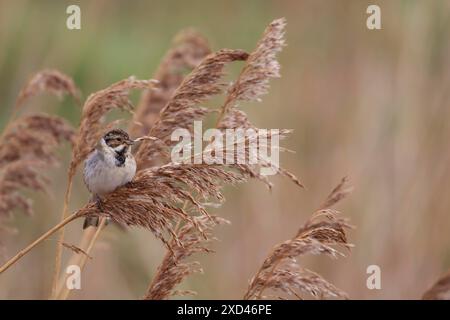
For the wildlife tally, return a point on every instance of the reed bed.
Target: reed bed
(172, 199)
(28, 144)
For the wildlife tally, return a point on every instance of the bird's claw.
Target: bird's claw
(93, 220)
(99, 203)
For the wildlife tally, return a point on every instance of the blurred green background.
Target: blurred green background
(373, 105)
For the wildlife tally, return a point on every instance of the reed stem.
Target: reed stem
(87, 242)
(59, 246)
(24, 251)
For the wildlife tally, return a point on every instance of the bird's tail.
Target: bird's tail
(90, 222)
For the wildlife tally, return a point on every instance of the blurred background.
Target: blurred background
(373, 105)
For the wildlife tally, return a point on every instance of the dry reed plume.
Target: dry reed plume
(174, 268)
(27, 147)
(260, 66)
(253, 81)
(52, 81)
(188, 50)
(155, 197)
(28, 143)
(251, 84)
(281, 273)
(183, 108)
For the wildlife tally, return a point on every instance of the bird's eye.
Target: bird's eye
(112, 142)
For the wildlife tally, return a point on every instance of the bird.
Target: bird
(109, 166)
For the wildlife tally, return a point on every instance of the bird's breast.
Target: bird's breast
(103, 174)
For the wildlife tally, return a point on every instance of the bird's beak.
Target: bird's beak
(129, 142)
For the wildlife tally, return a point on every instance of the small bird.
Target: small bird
(109, 166)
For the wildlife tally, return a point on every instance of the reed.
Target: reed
(175, 268)
(91, 128)
(170, 199)
(253, 82)
(189, 48)
(28, 144)
(282, 275)
(51, 81)
(180, 112)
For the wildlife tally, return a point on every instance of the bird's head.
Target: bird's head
(117, 140)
